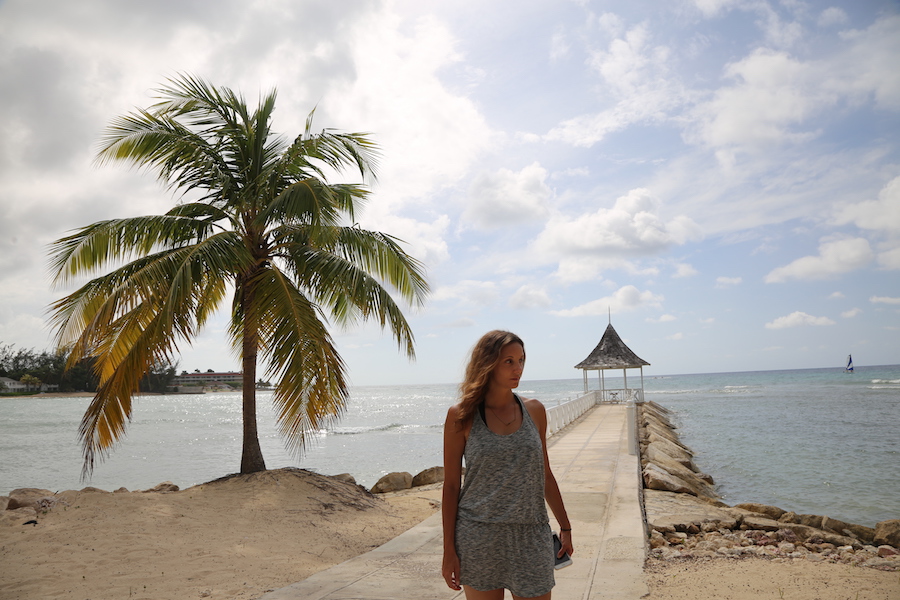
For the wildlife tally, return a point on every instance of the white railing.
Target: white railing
(620, 396)
(563, 414)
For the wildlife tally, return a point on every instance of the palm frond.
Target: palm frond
(93, 247)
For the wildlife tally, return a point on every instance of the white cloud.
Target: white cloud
(468, 291)
(711, 8)
(637, 86)
(507, 198)
(661, 319)
(798, 319)
(889, 259)
(849, 314)
(832, 16)
(882, 214)
(632, 227)
(431, 134)
(835, 258)
(675, 336)
(884, 300)
(684, 270)
(771, 93)
(835, 295)
(624, 299)
(727, 282)
(529, 296)
(774, 95)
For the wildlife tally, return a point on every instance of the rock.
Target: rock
(810, 520)
(860, 532)
(656, 478)
(166, 486)
(121, 490)
(93, 490)
(659, 431)
(345, 477)
(662, 450)
(798, 531)
(760, 523)
(773, 512)
(840, 540)
(4, 502)
(393, 482)
(885, 551)
(668, 512)
(27, 497)
(886, 533)
(429, 476)
(789, 517)
(676, 469)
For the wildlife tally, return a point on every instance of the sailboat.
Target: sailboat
(849, 367)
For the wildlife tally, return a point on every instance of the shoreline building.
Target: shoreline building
(190, 382)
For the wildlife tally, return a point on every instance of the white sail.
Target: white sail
(849, 367)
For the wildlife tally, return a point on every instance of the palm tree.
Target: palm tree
(262, 220)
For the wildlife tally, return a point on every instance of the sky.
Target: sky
(720, 179)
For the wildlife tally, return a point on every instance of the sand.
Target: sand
(236, 538)
(243, 536)
(764, 579)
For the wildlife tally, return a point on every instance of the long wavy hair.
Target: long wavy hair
(485, 356)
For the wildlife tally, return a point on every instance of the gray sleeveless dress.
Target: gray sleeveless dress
(503, 535)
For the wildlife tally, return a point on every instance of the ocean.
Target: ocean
(813, 441)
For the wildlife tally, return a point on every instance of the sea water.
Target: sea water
(813, 441)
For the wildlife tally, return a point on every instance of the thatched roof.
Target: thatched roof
(611, 353)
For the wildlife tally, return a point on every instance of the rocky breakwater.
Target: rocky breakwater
(686, 518)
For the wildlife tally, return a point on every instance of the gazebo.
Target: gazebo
(612, 353)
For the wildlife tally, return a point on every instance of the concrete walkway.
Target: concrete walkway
(599, 483)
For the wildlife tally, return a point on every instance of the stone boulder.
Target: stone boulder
(656, 478)
(760, 523)
(165, 486)
(429, 476)
(673, 451)
(676, 469)
(860, 532)
(888, 533)
(4, 502)
(345, 477)
(27, 498)
(773, 512)
(393, 482)
(669, 512)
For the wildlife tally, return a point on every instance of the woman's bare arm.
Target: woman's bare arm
(454, 446)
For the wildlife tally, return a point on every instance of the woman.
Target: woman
(496, 531)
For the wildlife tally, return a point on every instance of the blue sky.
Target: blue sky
(722, 177)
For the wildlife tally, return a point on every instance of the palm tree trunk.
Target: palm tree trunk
(251, 455)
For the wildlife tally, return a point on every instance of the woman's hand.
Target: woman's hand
(450, 570)
(565, 538)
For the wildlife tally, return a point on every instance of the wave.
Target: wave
(364, 429)
(884, 381)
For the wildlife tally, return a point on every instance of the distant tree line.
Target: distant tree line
(35, 368)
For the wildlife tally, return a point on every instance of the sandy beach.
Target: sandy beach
(232, 538)
(241, 536)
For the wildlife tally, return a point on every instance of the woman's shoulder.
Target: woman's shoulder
(531, 403)
(534, 407)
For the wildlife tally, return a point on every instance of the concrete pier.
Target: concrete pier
(599, 480)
